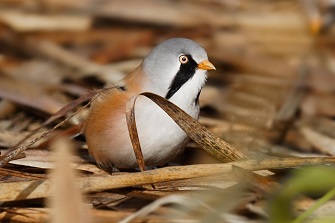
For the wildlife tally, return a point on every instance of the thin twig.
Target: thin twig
(14, 152)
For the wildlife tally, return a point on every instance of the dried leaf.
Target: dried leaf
(198, 133)
(132, 130)
(24, 22)
(6, 108)
(321, 142)
(66, 201)
(31, 95)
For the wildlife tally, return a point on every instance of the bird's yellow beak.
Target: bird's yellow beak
(206, 65)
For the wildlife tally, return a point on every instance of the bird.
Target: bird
(176, 69)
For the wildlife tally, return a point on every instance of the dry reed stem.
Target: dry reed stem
(15, 151)
(132, 130)
(40, 188)
(66, 200)
(212, 144)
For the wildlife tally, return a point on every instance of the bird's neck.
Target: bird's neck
(186, 96)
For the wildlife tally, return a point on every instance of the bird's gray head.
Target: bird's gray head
(174, 64)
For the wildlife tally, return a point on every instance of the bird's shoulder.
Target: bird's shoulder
(117, 95)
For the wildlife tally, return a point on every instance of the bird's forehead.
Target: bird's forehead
(198, 54)
(190, 48)
(165, 55)
(178, 46)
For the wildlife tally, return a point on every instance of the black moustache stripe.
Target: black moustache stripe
(185, 73)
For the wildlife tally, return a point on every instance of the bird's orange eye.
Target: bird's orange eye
(183, 59)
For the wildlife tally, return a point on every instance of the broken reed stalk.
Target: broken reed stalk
(132, 130)
(40, 188)
(213, 145)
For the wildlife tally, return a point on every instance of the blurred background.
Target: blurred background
(273, 91)
(274, 59)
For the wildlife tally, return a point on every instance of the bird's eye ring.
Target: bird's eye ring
(183, 59)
